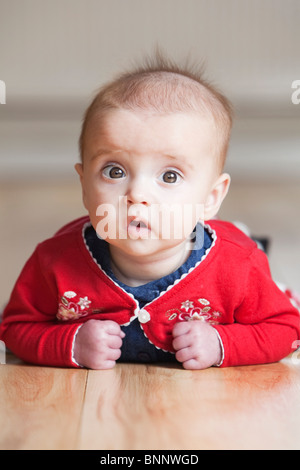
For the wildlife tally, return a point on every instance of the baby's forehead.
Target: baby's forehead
(103, 118)
(177, 136)
(109, 122)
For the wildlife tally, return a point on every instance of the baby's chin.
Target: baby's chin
(140, 248)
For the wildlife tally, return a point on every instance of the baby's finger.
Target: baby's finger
(108, 364)
(114, 354)
(182, 341)
(113, 328)
(184, 354)
(192, 364)
(181, 328)
(114, 341)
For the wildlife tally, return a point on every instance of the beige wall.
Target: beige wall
(55, 53)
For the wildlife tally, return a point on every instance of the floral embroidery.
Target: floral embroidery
(187, 305)
(172, 313)
(189, 312)
(70, 294)
(84, 303)
(204, 301)
(69, 309)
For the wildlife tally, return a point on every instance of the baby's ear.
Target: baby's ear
(79, 168)
(216, 196)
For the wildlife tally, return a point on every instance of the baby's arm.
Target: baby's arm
(263, 328)
(31, 330)
(97, 344)
(196, 344)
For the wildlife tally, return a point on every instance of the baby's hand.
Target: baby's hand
(196, 344)
(98, 343)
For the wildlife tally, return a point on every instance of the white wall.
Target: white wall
(55, 53)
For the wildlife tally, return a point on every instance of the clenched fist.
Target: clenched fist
(196, 344)
(98, 344)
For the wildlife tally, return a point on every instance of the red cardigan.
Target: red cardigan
(61, 286)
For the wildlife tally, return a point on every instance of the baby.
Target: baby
(150, 275)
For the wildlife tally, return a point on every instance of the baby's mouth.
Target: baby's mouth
(138, 228)
(138, 224)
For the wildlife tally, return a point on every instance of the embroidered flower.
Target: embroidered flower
(187, 305)
(84, 303)
(70, 294)
(195, 313)
(204, 301)
(70, 309)
(216, 314)
(196, 316)
(172, 313)
(191, 313)
(69, 313)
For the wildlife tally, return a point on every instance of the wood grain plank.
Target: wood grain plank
(40, 407)
(154, 407)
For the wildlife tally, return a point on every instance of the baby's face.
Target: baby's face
(148, 178)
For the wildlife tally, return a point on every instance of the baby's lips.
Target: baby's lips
(139, 222)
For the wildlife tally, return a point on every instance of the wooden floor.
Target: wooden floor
(153, 407)
(138, 406)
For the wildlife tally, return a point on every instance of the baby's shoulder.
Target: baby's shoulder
(72, 226)
(231, 235)
(64, 242)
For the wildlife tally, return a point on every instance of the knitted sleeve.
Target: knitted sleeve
(266, 322)
(29, 327)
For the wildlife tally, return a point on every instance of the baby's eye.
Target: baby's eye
(170, 177)
(113, 172)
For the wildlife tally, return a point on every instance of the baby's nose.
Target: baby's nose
(138, 192)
